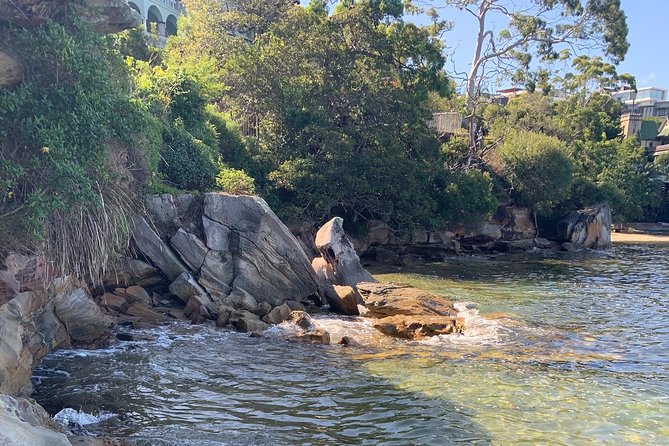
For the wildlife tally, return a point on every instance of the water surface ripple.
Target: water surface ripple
(571, 350)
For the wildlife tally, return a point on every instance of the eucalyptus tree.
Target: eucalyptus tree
(536, 32)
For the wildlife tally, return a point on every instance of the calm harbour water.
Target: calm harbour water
(559, 351)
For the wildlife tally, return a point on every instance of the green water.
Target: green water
(559, 351)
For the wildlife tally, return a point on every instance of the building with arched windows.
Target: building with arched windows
(159, 16)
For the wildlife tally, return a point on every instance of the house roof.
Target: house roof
(648, 130)
(664, 130)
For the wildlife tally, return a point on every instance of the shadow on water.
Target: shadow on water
(199, 386)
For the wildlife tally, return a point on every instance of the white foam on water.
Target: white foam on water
(69, 417)
(478, 329)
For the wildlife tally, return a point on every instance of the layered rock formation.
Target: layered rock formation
(409, 313)
(587, 228)
(229, 258)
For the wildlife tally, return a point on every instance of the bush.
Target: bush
(467, 197)
(537, 168)
(187, 163)
(235, 182)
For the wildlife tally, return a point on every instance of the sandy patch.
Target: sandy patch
(621, 237)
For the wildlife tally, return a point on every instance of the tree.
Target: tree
(538, 169)
(549, 29)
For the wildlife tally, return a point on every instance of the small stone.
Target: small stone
(302, 320)
(263, 309)
(346, 341)
(278, 315)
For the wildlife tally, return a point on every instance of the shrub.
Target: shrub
(467, 197)
(537, 167)
(235, 182)
(187, 163)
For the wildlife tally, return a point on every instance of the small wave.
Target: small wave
(478, 329)
(69, 418)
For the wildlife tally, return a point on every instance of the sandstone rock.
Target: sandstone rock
(385, 299)
(323, 270)
(262, 309)
(336, 248)
(162, 208)
(349, 299)
(25, 423)
(113, 302)
(143, 314)
(409, 313)
(140, 294)
(317, 336)
(516, 223)
(263, 261)
(155, 249)
(587, 228)
(278, 315)
(302, 320)
(127, 272)
(185, 287)
(418, 326)
(191, 249)
(86, 325)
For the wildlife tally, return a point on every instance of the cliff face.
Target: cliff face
(105, 16)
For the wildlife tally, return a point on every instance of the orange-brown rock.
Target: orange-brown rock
(409, 313)
(420, 326)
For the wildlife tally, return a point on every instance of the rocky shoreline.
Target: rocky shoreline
(220, 259)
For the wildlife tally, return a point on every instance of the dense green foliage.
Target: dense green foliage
(537, 167)
(58, 129)
(235, 181)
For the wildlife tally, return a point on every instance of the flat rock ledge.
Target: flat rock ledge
(409, 313)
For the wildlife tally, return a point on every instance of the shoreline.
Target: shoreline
(626, 237)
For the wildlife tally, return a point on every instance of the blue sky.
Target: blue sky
(646, 20)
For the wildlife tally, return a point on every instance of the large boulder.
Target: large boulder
(153, 247)
(587, 228)
(407, 312)
(337, 250)
(35, 323)
(25, 423)
(254, 257)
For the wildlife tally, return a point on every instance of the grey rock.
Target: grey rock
(302, 320)
(295, 306)
(162, 208)
(262, 309)
(155, 249)
(11, 70)
(186, 287)
(587, 228)
(217, 274)
(217, 235)
(140, 294)
(183, 203)
(278, 315)
(265, 260)
(336, 248)
(247, 325)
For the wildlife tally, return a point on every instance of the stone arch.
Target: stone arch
(136, 7)
(171, 25)
(154, 19)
